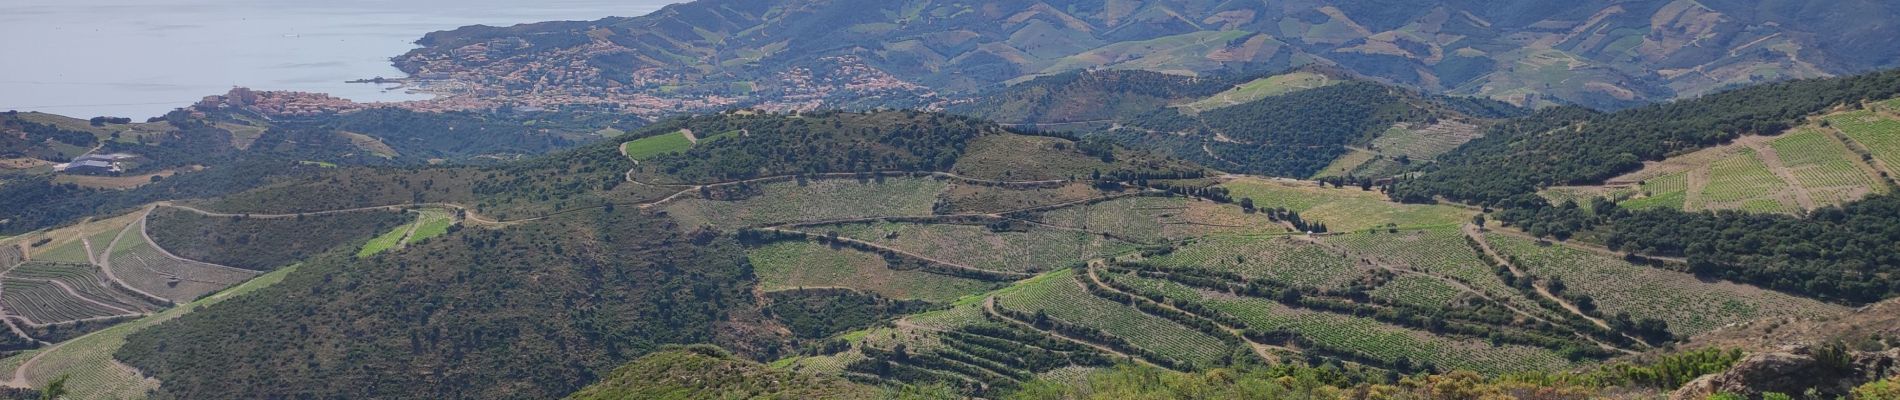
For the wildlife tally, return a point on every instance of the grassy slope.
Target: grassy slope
(651, 146)
(1261, 88)
(386, 241)
(1037, 249)
(1151, 220)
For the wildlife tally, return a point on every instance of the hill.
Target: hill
(212, 151)
(746, 146)
(471, 333)
(1298, 123)
(1569, 146)
(733, 319)
(929, 254)
(712, 54)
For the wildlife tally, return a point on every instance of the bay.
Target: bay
(142, 58)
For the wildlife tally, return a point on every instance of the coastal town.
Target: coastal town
(474, 81)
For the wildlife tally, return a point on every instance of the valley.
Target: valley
(1212, 270)
(1329, 199)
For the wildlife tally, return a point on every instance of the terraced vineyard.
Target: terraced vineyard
(1806, 167)
(1384, 342)
(1878, 133)
(802, 264)
(1149, 219)
(144, 267)
(1688, 304)
(86, 280)
(960, 345)
(817, 200)
(71, 252)
(429, 223)
(1135, 218)
(44, 302)
(88, 363)
(1743, 178)
(386, 241)
(968, 198)
(1822, 165)
(1028, 249)
(1440, 252)
(1281, 259)
(10, 254)
(1343, 209)
(1059, 295)
(1418, 290)
(1668, 191)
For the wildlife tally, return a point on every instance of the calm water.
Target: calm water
(141, 58)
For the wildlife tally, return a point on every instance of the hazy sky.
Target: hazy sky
(141, 58)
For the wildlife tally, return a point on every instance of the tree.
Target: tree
(1246, 203)
(56, 389)
(1478, 220)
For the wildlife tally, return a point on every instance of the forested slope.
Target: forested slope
(534, 311)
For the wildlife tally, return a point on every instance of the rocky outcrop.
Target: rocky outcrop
(1794, 371)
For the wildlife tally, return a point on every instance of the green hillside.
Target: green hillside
(912, 254)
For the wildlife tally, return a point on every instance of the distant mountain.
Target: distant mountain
(809, 53)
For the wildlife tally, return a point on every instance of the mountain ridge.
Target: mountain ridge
(720, 53)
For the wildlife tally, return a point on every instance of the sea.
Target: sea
(143, 58)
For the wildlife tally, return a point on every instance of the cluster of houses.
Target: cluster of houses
(95, 164)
